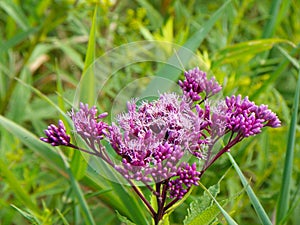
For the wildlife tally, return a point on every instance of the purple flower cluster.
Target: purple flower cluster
(87, 123)
(196, 82)
(246, 118)
(152, 139)
(187, 176)
(56, 135)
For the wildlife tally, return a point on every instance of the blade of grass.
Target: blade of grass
(245, 50)
(87, 93)
(284, 196)
(289, 57)
(27, 215)
(16, 39)
(271, 23)
(16, 13)
(88, 218)
(169, 72)
(50, 155)
(273, 76)
(33, 143)
(63, 219)
(260, 212)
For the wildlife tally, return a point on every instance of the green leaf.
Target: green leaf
(16, 39)
(272, 19)
(28, 216)
(64, 220)
(16, 13)
(289, 57)
(201, 204)
(260, 212)
(16, 187)
(277, 72)
(225, 214)
(87, 87)
(284, 196)
(124, 219)
(88, 218)
(87, 91)
(245, 50)
(205, 217)
(32, 142)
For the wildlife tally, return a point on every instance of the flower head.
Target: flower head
(56, 135)
(86, 122)
(186, 177)
(196, 82)
(244, 117)
(153, 137)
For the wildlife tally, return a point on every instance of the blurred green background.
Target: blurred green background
(252, 47)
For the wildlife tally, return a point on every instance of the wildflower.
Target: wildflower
(187, 176)
(56, 135)
(246, 118)
(196, 82)
(152, 139)
(86, 122)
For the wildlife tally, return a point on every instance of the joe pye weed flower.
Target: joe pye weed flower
(154, 139)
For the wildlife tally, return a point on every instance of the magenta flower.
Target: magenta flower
(244, 117)
(196, 82)
(56, 135)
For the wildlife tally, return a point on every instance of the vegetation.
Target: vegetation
(47, 48)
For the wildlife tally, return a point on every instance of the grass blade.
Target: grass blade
(32, 142)
(79, 195)
(16, 13)
(16, 39)
(284, 196)
(262, 215)
(87, 92)
(270, 25)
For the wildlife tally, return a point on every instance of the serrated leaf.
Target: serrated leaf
(228, 218)
(205, 217)
(201, 204)
(124, 219)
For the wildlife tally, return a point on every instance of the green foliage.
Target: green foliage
(46, 47)
(202, 210)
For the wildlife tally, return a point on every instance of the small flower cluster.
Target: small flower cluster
(56, 135)
(187, 176)
(152, 139)
(196, 83)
